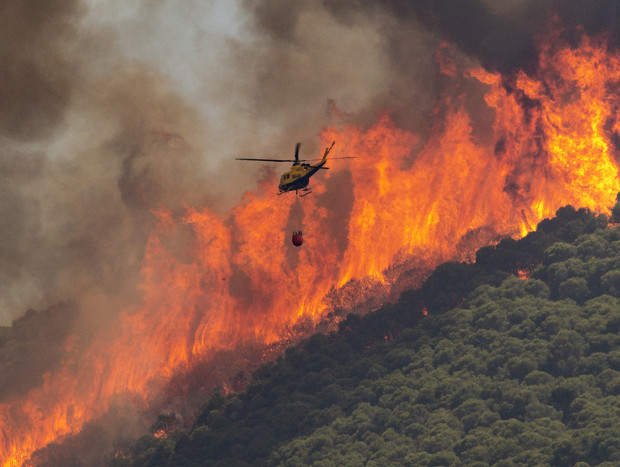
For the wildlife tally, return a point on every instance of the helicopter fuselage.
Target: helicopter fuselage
(298, 177)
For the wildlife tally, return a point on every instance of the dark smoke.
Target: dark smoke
(501, 34)
(36, 74)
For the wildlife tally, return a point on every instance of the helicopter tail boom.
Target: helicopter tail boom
(327, 150)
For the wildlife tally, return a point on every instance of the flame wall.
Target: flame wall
(408, 199)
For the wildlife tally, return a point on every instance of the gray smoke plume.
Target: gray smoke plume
(86, 154)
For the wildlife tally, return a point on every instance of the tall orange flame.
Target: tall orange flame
(551, 143)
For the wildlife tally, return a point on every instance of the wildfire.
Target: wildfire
(551, 143)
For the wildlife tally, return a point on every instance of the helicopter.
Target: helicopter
(298, 177)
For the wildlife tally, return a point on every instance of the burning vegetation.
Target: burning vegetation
(501, 370)
(502, 148)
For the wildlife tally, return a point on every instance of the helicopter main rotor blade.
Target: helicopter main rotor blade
(288, 160)
(297, 152)
(263, 160)
(330, 158)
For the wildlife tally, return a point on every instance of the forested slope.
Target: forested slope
(503, 371)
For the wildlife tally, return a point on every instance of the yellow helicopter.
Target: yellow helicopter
(298, 177)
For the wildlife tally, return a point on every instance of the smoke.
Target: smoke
(87, 153)
(36, 74)
(36, 88)
(305, 49)
(500, 34)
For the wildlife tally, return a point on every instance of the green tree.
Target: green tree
(575, 288)
(610, 282)
(560, 252)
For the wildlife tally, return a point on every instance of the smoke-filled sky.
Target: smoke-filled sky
(110, 109)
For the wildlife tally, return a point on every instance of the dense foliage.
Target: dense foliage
(502, 371)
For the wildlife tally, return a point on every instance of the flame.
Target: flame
(551, 143)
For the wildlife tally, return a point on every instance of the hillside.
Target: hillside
(503, 370)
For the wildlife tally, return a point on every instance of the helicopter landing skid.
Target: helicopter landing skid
(306, 193)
